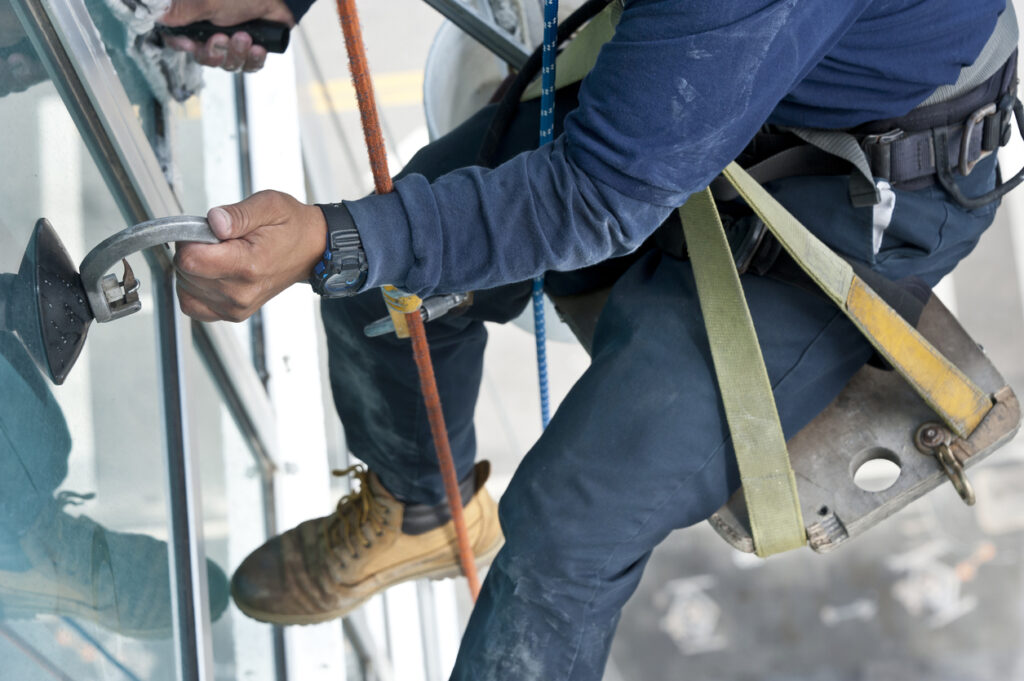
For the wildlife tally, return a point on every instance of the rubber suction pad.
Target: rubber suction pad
(50, 312)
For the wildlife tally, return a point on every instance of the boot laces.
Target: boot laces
(354, 513)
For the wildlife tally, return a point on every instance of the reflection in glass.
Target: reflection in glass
(51, 561)
(19, 66)
(85, 587)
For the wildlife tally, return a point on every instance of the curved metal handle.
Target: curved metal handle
(112, 299)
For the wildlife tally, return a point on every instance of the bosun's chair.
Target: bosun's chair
(876, 416)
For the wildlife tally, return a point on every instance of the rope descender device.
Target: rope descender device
(404, 307)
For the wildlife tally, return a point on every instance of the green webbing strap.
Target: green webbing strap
(768, 482)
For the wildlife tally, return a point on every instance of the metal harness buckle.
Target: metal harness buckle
(973, 125)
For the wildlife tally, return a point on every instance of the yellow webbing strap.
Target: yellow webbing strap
(400, 303)
(768, 482)
(955, 398)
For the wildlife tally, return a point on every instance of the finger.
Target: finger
(36, 70)
(259, 210)
(19, 67)
(238, 50)
(25, 71)
(181, 43)
(214, 52)
(256, 59)
(210, 291)
(228, 259)
(226, 299)
(193, 307)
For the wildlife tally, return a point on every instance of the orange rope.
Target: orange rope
(421, 351)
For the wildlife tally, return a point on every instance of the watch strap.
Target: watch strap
(343, 254)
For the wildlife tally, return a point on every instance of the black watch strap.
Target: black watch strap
(342, 270)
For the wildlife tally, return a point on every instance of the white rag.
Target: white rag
(170, 73)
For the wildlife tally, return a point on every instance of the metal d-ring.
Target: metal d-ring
(934, 440)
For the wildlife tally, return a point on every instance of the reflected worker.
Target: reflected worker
(640, 446)
(53, 562)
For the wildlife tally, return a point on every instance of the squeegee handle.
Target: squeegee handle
(268, 34)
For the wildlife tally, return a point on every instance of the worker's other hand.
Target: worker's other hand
(19, 66)
(228, 52)
(268, 242)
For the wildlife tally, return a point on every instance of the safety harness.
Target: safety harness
(947, 135)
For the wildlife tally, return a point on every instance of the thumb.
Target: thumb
(236, 220)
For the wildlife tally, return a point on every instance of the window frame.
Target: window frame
(76, 60)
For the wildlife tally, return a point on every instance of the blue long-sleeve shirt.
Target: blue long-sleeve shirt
(675, 95)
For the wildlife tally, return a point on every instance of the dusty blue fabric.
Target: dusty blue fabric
(640, 446)
(298, 7)
(675, 95)
(34, 445)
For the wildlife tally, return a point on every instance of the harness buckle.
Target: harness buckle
(972, 126)
(887, 137)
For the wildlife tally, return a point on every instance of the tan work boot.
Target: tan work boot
(326, 567)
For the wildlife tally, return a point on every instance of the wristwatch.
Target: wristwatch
(342, 270)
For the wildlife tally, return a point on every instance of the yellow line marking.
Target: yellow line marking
(397, 88)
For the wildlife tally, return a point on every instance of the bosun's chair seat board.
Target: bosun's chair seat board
(876, 416)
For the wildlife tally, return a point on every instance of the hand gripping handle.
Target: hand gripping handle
(111, 299)
(271, 35)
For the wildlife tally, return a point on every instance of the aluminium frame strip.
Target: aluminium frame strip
(63, 35)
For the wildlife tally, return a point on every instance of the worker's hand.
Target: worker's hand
(11, 32)
(19, 70)
(228, 52)
(268, 242)
(19, 66)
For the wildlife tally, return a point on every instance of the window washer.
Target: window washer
(640, 446)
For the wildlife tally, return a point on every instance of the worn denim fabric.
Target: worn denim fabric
(34, 446)
(640, 446)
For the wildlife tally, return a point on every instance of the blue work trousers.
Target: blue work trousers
(640, 446)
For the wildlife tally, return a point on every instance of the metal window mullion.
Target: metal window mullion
(428, 630)
(190, 600)
(76, 60)
(371, 659)
(483, 29)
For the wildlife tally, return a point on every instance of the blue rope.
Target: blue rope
(542, 352)
(547, 133)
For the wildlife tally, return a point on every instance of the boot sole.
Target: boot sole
(388, 579)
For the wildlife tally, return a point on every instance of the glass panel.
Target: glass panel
(191, 138)
(233, 524)
(131, 69)
(85, 590)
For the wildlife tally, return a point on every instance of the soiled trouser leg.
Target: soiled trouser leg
(640, 446)
(34, 446)
(374, 380)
